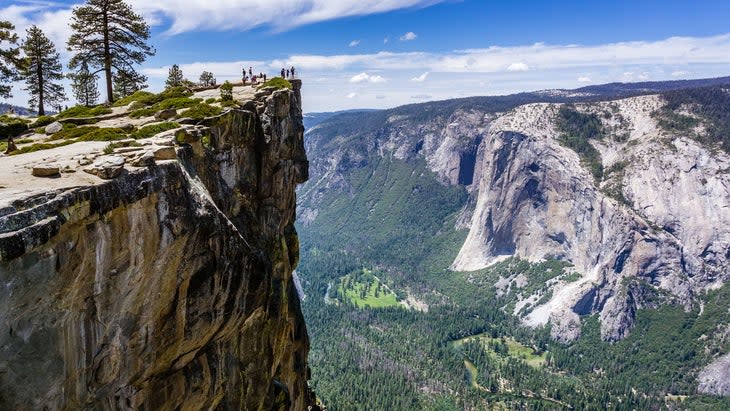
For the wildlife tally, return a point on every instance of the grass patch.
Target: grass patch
(73, 132)
(201, 111)
(211, 100)
(109, 149)
(42, 121)
(144, 112)
(505, 347)
(41, 146)
(83, 111)
(276, 82)
(104, 134)
(177, 102)
(151, 130)
(364, 290)
(137, 96)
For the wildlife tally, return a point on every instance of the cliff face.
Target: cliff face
(169, 287)
(656, 229)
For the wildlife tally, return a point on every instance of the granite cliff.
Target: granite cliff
(169, 283)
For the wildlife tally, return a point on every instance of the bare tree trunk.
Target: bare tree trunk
(39, 73)
(107, 60)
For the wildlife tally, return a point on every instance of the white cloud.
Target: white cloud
(584, 79)
(190, 15)
(408, 36)
(422, 96)
(679, 73)
(518, 67)
(421, 78)
(367, 78)
(352, 95)
(354, 43)
(386, 40)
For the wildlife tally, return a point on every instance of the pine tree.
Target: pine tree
(126, 83)
(84, 86)
(174, 77)
(207, 79)
(108, 34)
(8, 57)
(41, 70)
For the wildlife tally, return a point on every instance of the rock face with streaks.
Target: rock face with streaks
(167, 287)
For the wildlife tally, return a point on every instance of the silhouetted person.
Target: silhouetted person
(282, 73)
(264, 77)
(292, 71)
(250, 72)
(287, 73)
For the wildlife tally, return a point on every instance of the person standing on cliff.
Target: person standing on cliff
(292, 71)
(250, 72)
(287, 73)
(282, 73)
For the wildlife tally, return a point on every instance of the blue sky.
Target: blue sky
(384, 53)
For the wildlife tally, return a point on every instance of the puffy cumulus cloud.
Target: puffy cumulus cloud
(421, 78)
(367, 78)
(54, 21)
(190, 15)
(584, 79)
(408, 36)
(518, 67)
(354, 43)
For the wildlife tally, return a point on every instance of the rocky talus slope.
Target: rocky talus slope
(168, 284)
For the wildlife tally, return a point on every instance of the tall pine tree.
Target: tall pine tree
(41, 70)
(174, 77)
(128, 83)
(109, 35)
(8, 57)
(85, 86)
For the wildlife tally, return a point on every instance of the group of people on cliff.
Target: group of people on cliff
(249, 76)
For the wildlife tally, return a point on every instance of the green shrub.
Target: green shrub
(201, 111)
(137, 97)
(104, 134)
(42, 121)
(73, 132)
(83, 111)
(41, 146)
(228, 103)
(152, 129)
(276, 82)
(145, 112)
(226, 91)
(113, 146)
(177, 102)
(12, 128)
(211, 100)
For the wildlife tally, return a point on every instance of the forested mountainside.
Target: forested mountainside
(548, 250)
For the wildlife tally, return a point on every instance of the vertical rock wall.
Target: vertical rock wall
(169, 287)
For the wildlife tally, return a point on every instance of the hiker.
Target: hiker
(264, 77)
(250, 72)
(287, 73)
(292, 71)
(282, 73)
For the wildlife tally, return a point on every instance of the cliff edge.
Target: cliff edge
(168, 286)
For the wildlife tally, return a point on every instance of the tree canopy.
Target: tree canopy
(174, 77)
(41, 70)
(84, 86)
(8, 57)
(110, 36)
